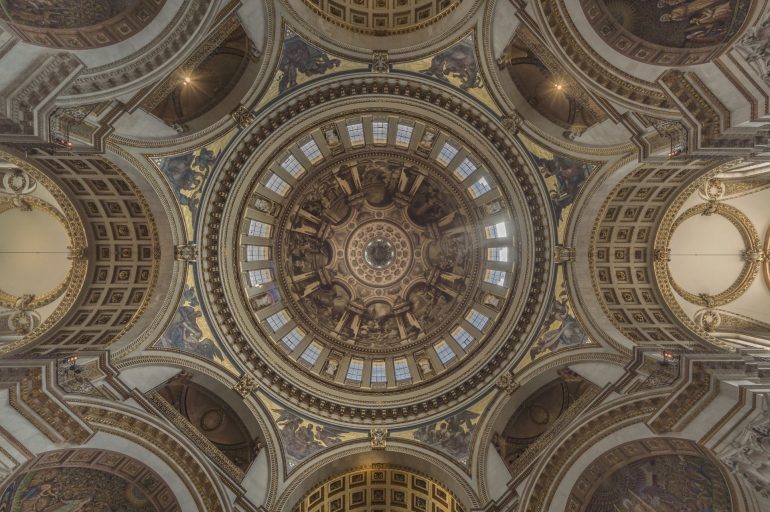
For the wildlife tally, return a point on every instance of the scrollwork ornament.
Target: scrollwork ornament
(710, 320)
(246, 385)
(379, 438)
(242, 117)
(380, 62)
(17, 181)
(507, 383)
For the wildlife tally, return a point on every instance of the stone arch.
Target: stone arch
(121, 246)
(672, 469)
(77, 24)
(81, 476)
(415, 459)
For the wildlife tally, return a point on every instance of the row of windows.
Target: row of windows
(356, 370)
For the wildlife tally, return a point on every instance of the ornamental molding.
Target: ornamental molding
(69, 290)
(753, 252)
(293, 106)
(199, 481)
(195, 435)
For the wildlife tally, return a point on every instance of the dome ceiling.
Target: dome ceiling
(424, 255)
(384, 262)
(382, 253)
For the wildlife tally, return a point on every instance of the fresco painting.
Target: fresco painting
(663, 483)
(302, 437)
(680, 23)
(73, 490)
(451, 435)
(187, 172)
(301, 62)
(457, 65)
(564, 177)
(190, 332)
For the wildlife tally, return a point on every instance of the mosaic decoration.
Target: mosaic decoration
(451, 435)
(458, 66)
(680, 23)
(187, 172)
(190, 332)
(564, 177)
(62, 482)
(303, 438)
(664, 483)
(301, 62)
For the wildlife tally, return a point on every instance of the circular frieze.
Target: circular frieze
(747, 269)
(79, 24)
(375, 265)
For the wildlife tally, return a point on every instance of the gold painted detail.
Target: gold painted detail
(380, 62)
(379, 487)
(130, 427)
(379, 438)
(77, 274)
(754, 254)
(30, 393)
(507, 383)
(246, 385)
(242, 116)
(378, 19)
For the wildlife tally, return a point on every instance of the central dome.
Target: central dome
(375, 262)
(380, 253)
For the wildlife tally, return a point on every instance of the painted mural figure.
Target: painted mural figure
(567, 334)
(300, 57)
(459, 62)
(302, 439)
(452, 434)
(570, 177)
(185, 179)
(183, 332)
